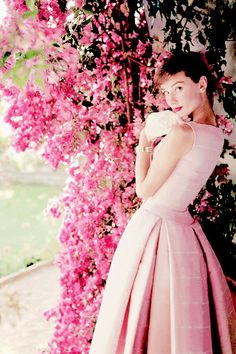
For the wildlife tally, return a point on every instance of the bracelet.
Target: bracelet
(148, 149)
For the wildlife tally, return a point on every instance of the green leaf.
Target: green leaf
(41, 66)
(201, 38)
(87, 21)
(20, 76)
(188, 35)
(6, 55)
(28, 14)
(30, 4)
(18, 55)
(4, 58)
(31, 53)
(88, 10)
(38, 79)
(55, 44)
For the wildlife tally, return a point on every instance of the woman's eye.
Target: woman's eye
(179, 88)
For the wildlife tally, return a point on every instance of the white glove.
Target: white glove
(160, 123)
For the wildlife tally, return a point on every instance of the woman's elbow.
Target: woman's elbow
(143, 192)
(139, 194)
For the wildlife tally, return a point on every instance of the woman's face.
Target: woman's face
(182, 94)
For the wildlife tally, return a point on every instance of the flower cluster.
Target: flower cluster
(225, 124)
(78, 77)
(80, 116)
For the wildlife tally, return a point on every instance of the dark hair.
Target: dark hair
(194, 66)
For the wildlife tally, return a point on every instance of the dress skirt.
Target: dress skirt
(166, 292)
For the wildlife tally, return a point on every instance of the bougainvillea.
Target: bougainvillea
(78, 77)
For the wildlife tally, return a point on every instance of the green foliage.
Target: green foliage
(217, 217)
(20, 72)
(31, 4)
(31, 53)
(198, 23)
(4, 59)
(127, 48)
(28, 14)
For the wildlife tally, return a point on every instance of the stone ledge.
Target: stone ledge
(24, 272)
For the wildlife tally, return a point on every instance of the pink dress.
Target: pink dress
(166, 292)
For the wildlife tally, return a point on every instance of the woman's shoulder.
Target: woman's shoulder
(180, 139)
(183, 126)
(181, 130)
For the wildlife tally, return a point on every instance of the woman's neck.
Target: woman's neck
(204, 114)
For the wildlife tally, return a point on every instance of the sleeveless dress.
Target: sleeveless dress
(166, 292)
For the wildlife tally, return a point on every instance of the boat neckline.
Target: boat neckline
(206, 125)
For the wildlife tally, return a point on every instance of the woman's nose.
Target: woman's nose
(172, 99)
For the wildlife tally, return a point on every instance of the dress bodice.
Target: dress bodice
(192, 171)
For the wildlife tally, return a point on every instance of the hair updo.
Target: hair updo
(194, 65)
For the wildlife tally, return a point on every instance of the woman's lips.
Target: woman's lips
(177, 109)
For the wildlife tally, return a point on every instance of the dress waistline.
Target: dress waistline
(181, 217)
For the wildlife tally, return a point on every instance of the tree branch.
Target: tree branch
(126, 86)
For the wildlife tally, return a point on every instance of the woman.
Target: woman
(166, 292)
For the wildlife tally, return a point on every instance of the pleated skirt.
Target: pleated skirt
(166, 292)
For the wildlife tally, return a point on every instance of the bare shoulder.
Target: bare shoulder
(182, 129)
(180, 138)
(181, 132)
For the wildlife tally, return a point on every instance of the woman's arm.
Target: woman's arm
(150, 175)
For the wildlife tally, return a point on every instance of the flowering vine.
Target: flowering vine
(78, 77)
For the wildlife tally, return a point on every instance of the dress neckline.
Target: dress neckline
(206, 125)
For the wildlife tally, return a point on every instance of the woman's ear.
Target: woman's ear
(202, 84)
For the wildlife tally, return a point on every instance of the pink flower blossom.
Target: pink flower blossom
(225, 123)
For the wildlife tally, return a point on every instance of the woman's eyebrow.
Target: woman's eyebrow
(177, 82)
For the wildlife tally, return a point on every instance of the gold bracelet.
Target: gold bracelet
(148, 149)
